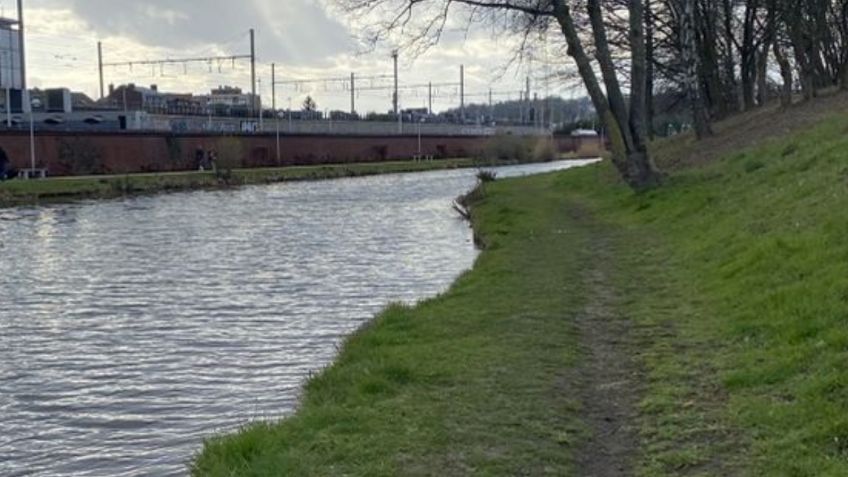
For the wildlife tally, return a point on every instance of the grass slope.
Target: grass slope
(734, 277)
(743, 309)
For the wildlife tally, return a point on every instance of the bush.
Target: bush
(544, 150)
(485, 176)
(507, 148)
(230, 152)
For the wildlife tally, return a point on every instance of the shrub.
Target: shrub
(486, 176)
(507, 148)
(544, 150)
(230, 152)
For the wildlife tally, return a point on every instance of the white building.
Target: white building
(228, 98)
(11, 73)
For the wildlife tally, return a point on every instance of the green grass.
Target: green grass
(735, 277)
(73, 188)
(743, 307)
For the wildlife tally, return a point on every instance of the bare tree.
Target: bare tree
(583, 27)
(720, 55)
(685, 11)
(309, 105)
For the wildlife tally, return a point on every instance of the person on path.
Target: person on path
(212, 159)
(200, 159)
(5, 166)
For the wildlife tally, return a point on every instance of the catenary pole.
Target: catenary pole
(22, 41)
(353, 94)
(100, 67)
(252, 72)
(395, 95)
(462, 92)
(430, 98)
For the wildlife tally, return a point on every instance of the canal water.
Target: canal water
(132, 329)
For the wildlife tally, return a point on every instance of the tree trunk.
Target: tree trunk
(710, 69)
(806, 71)
(762, 76)
(843, 30)
(733, 97)
(635, 166)
(649, 68)
(638, 75)
(642, 166)
(603, 55)
(763, 56)
(691, 79)
(786, 74)
(749, 56)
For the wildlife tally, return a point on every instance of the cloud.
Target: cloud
(304, 38)
(296, 31)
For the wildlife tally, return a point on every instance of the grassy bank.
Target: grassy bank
(469, 380)
(98, 187)
(728, 288)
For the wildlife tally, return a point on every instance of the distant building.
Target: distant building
(11, 74)
(11, 66)
(300, 115)
(82, 102)
(416, 111)
(55, 100)
(343, 116)
(228, 101)
(131, 97)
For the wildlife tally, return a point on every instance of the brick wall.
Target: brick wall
(120, 153)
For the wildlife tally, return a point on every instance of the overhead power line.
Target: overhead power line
(178, 61)
(207, 59)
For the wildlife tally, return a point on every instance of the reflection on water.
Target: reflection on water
(132, 329)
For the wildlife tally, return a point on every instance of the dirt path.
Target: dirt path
(608, 376)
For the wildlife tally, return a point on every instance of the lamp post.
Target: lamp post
(399, 117)
(32, 103)
(419, 136)
(278, 114)
(290, 115)
(261, 121)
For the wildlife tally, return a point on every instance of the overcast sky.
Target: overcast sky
(300, 36)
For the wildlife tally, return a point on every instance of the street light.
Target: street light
(290, 115)
(33, 102)
(261, 122)
(329, 115)
(419, 136)
(278, 115)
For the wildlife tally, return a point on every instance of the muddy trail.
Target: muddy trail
(609, 378)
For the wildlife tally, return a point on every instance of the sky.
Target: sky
(303, 37)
